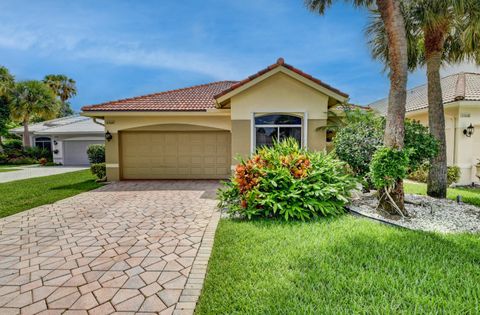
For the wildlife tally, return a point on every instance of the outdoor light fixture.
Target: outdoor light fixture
(469, 130)
(108, 136)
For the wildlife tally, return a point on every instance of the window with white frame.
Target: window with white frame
(44, 143)
(272, 127)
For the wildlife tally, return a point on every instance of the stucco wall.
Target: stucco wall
(279, 93)
(462, 151)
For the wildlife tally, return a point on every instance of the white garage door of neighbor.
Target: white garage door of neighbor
(175, 155)
(75, 152)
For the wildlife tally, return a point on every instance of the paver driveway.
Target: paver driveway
(127, 247)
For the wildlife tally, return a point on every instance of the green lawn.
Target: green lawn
(469, 195)
(346, 265)
(8, 169)
(25, 194)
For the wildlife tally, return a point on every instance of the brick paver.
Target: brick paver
(138, 247)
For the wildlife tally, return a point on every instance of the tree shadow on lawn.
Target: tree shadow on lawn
(80, 186)
(369, 267)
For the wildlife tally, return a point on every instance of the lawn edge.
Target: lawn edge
(196, 278)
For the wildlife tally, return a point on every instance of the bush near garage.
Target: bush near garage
(96, 153)
(99, 170)
(287, 182)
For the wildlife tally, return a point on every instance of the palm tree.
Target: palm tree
(438, 32)
(393, 21)
(6, 84)
(65, 88)
(32, 99)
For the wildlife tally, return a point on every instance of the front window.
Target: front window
(271, 128)
(44, 143)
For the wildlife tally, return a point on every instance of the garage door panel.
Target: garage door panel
(75, 151)
(175, 155)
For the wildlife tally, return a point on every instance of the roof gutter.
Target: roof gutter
(98, 123)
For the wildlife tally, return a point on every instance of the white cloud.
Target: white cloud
(119, 53)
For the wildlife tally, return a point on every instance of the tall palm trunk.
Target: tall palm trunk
(392, 16)
(437, 175)
(26, 133)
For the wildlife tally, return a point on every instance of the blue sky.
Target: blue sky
(118, 48)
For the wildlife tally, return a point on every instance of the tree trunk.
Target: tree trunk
(26, 134)
(437, 174)
(392, 17)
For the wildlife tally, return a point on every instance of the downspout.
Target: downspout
(98, 123)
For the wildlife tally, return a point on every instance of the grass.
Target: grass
(469, 195)
(8, 169)
(25, 194)
(346, 265)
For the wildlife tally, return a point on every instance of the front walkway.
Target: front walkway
(127, 247)
(32, 171)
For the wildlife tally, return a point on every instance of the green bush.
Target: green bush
(421, 175)
(287, 182)
(453, 174)
(362, 135)
(13, 148)
(96, 153)
(388, 165)
(38, 153)
(99, 170)
(22, 161)
(3, 158)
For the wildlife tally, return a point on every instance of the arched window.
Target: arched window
(269, 128)
(44, 142)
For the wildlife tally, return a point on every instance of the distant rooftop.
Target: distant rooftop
(64, 125)
(463, 86)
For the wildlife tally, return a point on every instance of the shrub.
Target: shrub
(43, 161)
(96, 153)
(421, 175)
(358, 140)
(419, 143)
(3, 158)
(362, 135)
(38, 153)
(388, 165)
(99, 170)
(287, 182)
(21, 161)
(453, 174)
(13, 148)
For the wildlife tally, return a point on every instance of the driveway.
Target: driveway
(36, 171)
(126, 247)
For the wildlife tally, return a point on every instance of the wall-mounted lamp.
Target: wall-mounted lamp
(108, 136)
(469, 130)
(55, 151)
(55, 142)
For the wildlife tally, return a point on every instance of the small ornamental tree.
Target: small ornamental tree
(287, 182)
(388, 166)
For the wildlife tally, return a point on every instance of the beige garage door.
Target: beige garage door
(175, 155)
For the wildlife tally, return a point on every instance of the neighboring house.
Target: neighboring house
(461, 97)
(68, 138)
(197, 132)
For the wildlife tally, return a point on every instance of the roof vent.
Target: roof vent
(280, 61)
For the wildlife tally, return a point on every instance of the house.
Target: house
(461, 97)
(198, 132)
(68, 138)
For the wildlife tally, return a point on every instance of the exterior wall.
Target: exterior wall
(462, 151)
(279, 93)
(117, 124)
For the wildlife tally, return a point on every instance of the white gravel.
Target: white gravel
(438, 215)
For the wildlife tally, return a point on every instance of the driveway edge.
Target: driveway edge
(191, 293)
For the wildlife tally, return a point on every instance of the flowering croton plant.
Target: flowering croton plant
(287, 182)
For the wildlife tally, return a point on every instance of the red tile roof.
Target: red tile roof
(280, 62)
(194, 98)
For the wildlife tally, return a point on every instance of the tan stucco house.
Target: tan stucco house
(461, 97)
(197, 132)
